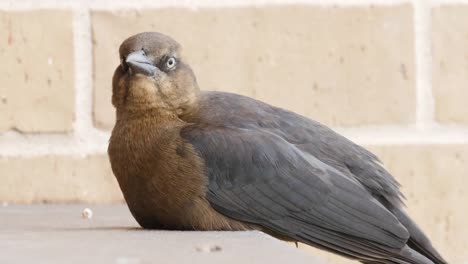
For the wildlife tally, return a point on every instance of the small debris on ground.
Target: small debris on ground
(87, 213)
(208, 248)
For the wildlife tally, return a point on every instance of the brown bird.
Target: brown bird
(192, 160)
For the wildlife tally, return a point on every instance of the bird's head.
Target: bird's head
(153, 75)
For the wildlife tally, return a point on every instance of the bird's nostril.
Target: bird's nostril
(138, 62)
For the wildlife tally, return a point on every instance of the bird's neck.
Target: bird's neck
(136, 131)
(153, 115)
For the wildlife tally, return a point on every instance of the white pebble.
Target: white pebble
(87, 213)
(208, 248)
(5, 204)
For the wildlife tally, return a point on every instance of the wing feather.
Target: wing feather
(259, 177)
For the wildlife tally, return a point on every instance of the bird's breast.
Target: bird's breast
(162, 179)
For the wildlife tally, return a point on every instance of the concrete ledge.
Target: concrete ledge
(58, 234)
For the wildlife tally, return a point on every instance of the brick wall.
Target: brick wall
(391, 75)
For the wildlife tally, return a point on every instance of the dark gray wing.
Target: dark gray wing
(259, 177)
(226, 109)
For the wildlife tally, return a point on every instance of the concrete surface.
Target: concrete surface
(59, 234)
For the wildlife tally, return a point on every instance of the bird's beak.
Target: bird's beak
(138, 62)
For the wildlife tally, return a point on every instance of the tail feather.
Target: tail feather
(409, 255)
(406, 256)
(418, 240)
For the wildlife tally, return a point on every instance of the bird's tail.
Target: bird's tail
(418, 241)
(409, 255)
(406, 256)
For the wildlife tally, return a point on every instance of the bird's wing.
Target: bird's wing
(226, 109)
(258, 177)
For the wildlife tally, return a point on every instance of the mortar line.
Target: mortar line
(83, 71)
(86, 136)
(14, 144)
(423, 59)
(126, 4)
(434, 3)
(120, 4)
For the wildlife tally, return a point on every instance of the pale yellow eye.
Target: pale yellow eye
(171, 63)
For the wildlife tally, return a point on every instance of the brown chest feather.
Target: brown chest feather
(162, 177)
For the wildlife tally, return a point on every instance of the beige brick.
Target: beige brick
(342, 66)
(36, 54)
(434, 180)
(450, 63)
(58, 179)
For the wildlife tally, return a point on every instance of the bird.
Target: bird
(187, 159)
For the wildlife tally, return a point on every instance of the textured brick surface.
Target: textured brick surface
(58, 179)
(342, 66)
(450, 63)
(36, 54)
(434, 180)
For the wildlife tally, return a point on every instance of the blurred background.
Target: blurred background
(390, 75)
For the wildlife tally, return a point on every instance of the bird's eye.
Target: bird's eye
(171, 63)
